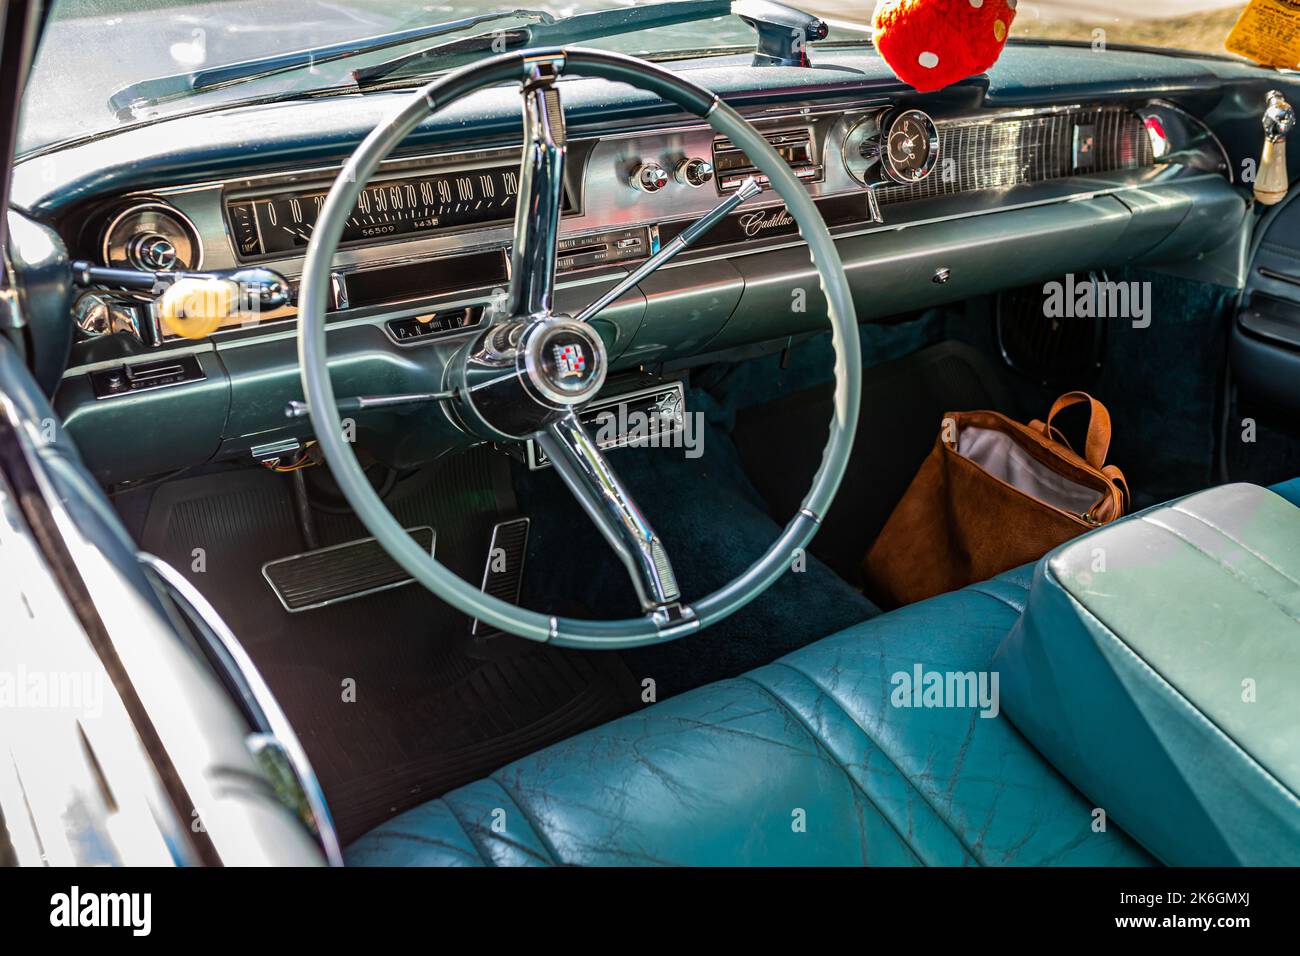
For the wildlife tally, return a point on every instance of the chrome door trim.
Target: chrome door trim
(258, 701)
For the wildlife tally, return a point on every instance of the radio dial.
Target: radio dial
(650, 177)
(695, 172)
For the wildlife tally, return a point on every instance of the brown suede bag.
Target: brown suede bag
(993, 494)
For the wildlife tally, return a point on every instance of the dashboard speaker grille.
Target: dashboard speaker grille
(1062, 352)
(979, 153)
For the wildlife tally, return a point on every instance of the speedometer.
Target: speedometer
(283, 223)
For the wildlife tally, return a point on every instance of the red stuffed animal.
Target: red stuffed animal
(932, 43)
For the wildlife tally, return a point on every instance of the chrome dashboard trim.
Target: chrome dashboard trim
(204, 204)
(286, 328)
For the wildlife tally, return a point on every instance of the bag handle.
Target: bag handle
(1119, 481)
(1097, 444)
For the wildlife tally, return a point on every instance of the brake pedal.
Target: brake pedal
(342, 572)
(504, 573)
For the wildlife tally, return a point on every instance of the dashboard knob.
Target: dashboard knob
(152, 253)
(695, 172)
(650, 177)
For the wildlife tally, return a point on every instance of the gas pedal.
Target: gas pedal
(342, 572)
(504, 571)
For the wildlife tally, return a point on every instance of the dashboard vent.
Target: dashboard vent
(979, 153)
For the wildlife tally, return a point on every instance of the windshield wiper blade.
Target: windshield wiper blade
(571, 29)
(162, 89)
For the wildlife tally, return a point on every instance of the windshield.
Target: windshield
(94, 48)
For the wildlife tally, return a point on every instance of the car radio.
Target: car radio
(795, 146)
(650, 415)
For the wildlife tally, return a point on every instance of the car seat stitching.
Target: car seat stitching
(1241, 544)
(405, 836)
(887, 755)
(821, 745)
(501, 838)
(483, 858)
(1018, 608)
(528, 818)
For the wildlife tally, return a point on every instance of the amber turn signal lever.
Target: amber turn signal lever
(195, 304)
(1271, 181)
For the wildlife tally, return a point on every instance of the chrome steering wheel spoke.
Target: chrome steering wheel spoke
(607, 501)
(748, 189)
(541, 191)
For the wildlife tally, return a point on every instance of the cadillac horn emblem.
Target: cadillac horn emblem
(570, 360)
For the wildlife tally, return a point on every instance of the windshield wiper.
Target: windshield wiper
(572, 29)
(162, 89)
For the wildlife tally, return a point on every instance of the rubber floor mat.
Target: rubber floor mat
(393, 700)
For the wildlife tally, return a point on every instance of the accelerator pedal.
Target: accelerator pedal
(504, 572)
(342, 572)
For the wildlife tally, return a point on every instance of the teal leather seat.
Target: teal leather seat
(806, 761)
(1290, 490)
(1156, 666)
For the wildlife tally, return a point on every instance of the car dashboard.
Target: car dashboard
(932, 198)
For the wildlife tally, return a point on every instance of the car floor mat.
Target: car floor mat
(394, 701)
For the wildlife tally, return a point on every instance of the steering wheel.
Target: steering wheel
(529, 372)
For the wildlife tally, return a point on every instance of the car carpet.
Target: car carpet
(1161, 380)
(903, 402)
(393, 700)
(717, 513)
(713, 525)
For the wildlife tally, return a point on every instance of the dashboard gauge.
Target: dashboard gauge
(283, 223)
(153, 237)
(860, 149)
(911, 147)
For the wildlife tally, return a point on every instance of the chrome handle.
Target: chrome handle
(258, 287)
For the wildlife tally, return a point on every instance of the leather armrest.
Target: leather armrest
(1157, 666)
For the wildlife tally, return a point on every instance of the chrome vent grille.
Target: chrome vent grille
(988, 154)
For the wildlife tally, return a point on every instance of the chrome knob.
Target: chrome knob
(152, 253)
(1279, 117)
(694, 172)
(91, 314)
(650, 177)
